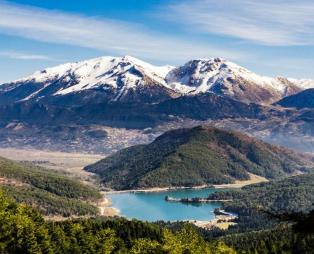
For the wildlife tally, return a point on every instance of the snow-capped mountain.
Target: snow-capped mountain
(226, 78)
(63, 104)
(127, 79)
(100, 79)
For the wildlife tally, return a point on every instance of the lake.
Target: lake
(151, 206)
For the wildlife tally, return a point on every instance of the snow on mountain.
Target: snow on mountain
(123, 77)
(303, 83)
(224, 77)
(106, 72)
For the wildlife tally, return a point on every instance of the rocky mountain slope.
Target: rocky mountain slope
(125, 92)
(304, 99)
(128, 79)
(111, 90)
(97, 80)
(223, 77)
(197, 156)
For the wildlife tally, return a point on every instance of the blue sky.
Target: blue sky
(270, 37)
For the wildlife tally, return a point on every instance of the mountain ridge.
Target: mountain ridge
(120, 78)
(124, 92)
(301, 100)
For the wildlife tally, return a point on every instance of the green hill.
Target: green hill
(197, 156)
(289, 195)
(50, 192)
(262, 208)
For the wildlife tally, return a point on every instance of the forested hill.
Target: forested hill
(261, 208)
(197, 156)
(50, 192)
(289, 195)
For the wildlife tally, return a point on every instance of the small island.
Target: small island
(194, 200)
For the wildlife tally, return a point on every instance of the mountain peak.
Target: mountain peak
(102, 63)
(224, 77)
(119, 75)
(104, 72)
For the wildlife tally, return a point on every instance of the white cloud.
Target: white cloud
(270, 22)
(103, 34)
(23, 56)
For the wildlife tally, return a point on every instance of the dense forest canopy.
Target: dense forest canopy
(23, 230)
(52, 193)
(288, 195)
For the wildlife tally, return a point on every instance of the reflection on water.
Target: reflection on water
(193, 204)
(151, 206)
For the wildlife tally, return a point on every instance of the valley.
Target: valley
(97, 145)
(83, 139)
(67, 163)
(157, 127)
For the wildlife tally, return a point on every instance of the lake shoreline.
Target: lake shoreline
(165, 189)
(222, 221)
(159, 189)
(151, 206)
(106, 209)
(237, 184)
(207, 224)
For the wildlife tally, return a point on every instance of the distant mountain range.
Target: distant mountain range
(125, 92)
(127, 79)
(197, 156)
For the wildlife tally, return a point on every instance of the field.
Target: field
(69, 163)
(240, 183)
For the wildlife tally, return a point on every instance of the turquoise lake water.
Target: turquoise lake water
(151, 206)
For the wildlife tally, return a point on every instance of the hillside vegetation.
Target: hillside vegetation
(50, 192)
(23, 230)
(289, 195)
(197, 156)
(261, 210)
